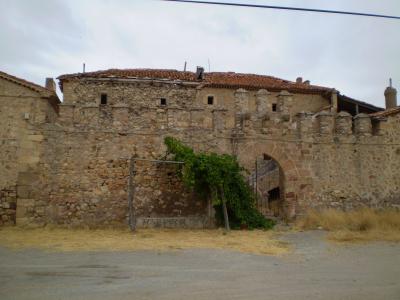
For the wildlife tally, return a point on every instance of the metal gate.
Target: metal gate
(265, 181)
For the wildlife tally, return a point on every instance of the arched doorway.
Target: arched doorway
(267, 181)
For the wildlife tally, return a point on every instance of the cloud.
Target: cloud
(353, 54)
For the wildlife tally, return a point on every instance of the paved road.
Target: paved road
(315, 270)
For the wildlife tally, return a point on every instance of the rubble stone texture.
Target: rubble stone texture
(68, 163)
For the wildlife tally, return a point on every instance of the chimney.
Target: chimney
(390, 96)
(200, 73)
(299, 80)
(50, 84)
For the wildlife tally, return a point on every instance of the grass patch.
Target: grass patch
(356, 226)
(59, 239)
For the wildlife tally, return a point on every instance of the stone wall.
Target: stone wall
(160, 194)
(22, 112)
(8, 205)
(78, 171)
(319, 153)
(86, 182)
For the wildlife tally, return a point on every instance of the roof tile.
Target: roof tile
(212, 79)
(387, 112)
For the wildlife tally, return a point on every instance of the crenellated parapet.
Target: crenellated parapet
(263, 103)
(245, 112)
(284, 104)
(271, 114)
(305, 124)
(344, 123)
(241, 101)
(325, 123)
(362, 124)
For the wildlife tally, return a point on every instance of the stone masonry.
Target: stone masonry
(67, 162)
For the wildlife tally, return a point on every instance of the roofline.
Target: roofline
(316, 91)
(385, 113)
(158, 80)
(360, 103)
(311, 89)
(324, 91)
(43, 91)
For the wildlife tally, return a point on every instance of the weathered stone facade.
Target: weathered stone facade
(71, 164)
(8, 205)
(24, 108)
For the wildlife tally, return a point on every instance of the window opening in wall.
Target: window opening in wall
(103, 99)
(163, 101)
(274, 107)
(210, 100)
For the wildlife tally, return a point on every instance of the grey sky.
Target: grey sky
(356, 55)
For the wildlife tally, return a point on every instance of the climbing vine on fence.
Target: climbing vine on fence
(220, 178)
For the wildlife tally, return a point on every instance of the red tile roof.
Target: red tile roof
(44, 92)
(213, 79)
(387, 112)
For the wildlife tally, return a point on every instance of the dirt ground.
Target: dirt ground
(314, 269)
(62, 239)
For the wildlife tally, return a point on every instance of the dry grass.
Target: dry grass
(357, 226)
(258, 242)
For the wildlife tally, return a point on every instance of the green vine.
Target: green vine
(219, 177)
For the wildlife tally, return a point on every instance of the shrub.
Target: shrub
(219, 177)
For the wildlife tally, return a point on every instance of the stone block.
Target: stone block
(22, 221)
(262, 102)
(344, 123)
(36, 137)
(362, 124)
(24, 191)
(21, 212)
(325, 121)
(21, 202)
(27, 178)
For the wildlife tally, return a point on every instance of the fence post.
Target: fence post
(131, 194)
(225, 210)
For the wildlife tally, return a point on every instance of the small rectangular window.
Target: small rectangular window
(163, 102)
(274, 107)
(210, 100)
(103, 99)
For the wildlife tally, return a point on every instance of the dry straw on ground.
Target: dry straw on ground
(258, 242)
(357, 226)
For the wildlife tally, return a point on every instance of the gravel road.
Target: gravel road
(315, 269)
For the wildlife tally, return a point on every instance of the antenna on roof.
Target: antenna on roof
(84, 67)
(390, 82)
(209, 66)
(184, 68)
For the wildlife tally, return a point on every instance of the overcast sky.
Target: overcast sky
(356, 55)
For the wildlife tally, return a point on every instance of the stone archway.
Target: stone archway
(267, 181)
(286, 155)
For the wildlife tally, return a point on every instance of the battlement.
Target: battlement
(326, 123)
(265, 114)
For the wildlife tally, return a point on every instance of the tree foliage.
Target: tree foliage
(213, 175)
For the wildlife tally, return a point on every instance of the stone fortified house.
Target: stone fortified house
(304, 146)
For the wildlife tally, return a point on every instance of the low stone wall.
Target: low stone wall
(177, 222)
(94, 192)
(162, 200)
(8, 204)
